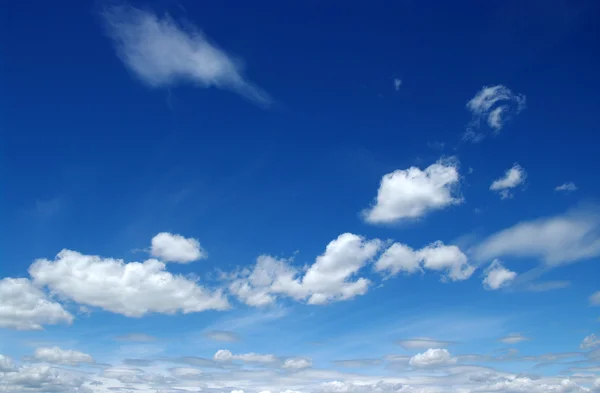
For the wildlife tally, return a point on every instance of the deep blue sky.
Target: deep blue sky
(96, 160)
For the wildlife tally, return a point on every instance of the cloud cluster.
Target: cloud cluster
(163, 53)
(494, 106)
(411, 193)
(56, 355)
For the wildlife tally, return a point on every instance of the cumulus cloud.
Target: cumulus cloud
(162, 53)
(513, 177)
(411, 193)
(561, 239)
(422, 343)
(24, 306)
(437, 256)
(56, 355)
(6, 364)
(595, 299)
(497, 276)
(132, 289)
(43, 379)
(494, 106)
(330, 278)
(432, 358)
(566, 187)
(224, 355)
(222, 335)
(513, 338)
(590, 342)
(170, 247)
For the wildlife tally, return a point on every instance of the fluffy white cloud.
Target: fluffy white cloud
(412, 193)
(513, 338)
(24, 306)
(513, 177)
(161, 53)
(6, 364)
(132, 289)
(329, 278)
(437, 256)
(493, 105)
(223, 355)
(497, 276)
(422, 343)
(432, 358)
(56, 355)
(170, 247)
(556, 240)
(590, 342)
(566, 187)
(595, 299)
(297, 363)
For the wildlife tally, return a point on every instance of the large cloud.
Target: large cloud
(412, 193)
(132, 289)
(556, 240)
(24, 306)
(162, 53)
(329, 278)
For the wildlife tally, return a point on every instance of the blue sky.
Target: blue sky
(300, 197)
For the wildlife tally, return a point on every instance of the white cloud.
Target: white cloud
(6, 364)
(43, 379)
(513, 338)
(162, 53)
(590, 342)
(397, 83)
(595, 299)
(513, 177)
(432, 358)
(170, 247)
(528, 385)
(437, 256)
(297, 363)
(56, 355)
(566, 187)
(547, 286)
(132, 289)
(497, 276)
(422, 343)
(222, 335)
(556, 240)
(330, 278)
(494, 105)
(224, 355)
(23, 306)
(412, 193)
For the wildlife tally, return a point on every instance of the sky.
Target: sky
(313, 197)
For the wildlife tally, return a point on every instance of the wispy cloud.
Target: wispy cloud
(566, 187)
(163, 53)
(494, 106)
(514, 338)
(397, 83)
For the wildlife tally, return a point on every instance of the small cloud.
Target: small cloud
(163, 53)
(512, 178)
(494, 106)
(590, 342)
(567, 187)
(432, 358)
(513, 338)
(595, 299)
(171, 247)
(497, 276)
(397, 83)
(222, 335)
